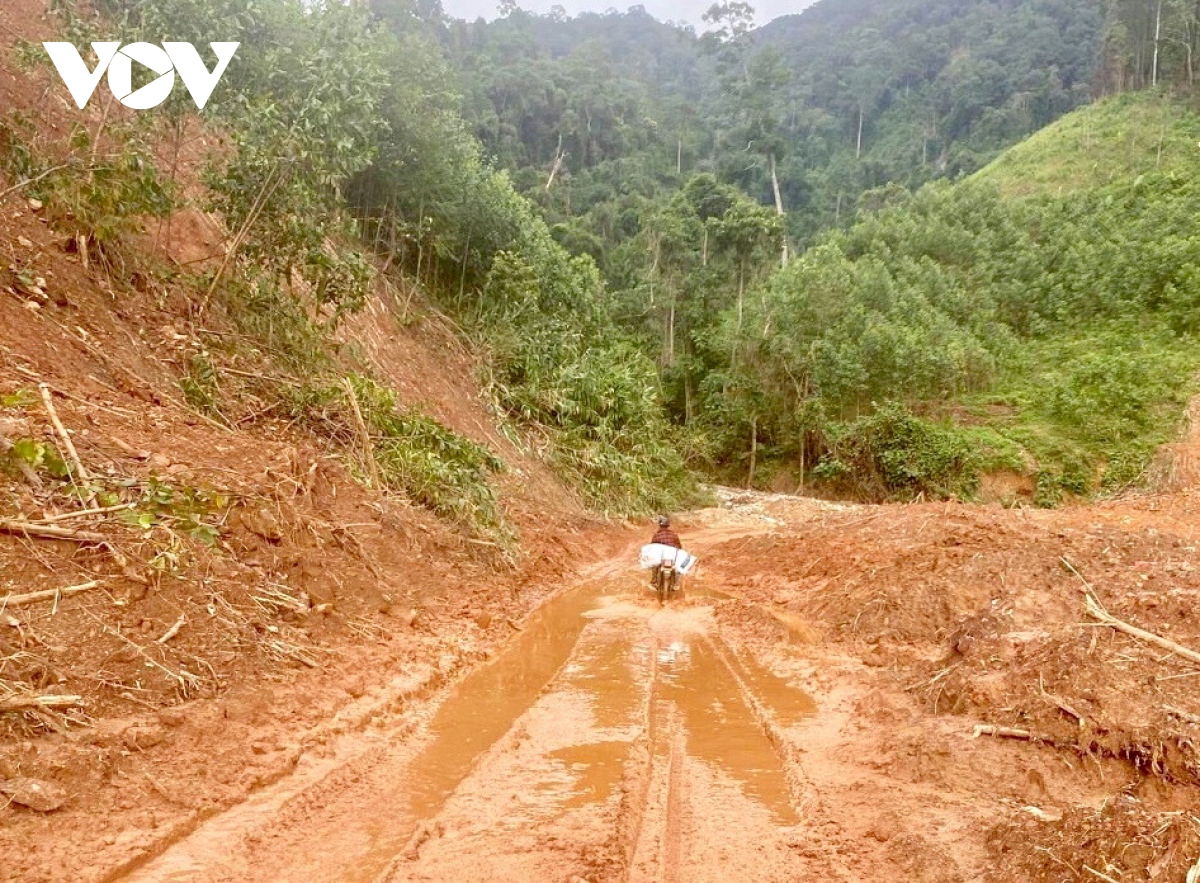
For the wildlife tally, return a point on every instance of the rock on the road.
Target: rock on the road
(36, 794)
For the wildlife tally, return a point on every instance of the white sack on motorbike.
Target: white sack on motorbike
(655, 554)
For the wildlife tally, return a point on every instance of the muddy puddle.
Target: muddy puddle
(721, 728)
(597, 768)
(613, 677)
(481, 709)
(595, 657)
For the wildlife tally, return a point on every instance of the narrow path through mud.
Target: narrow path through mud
(611, 739)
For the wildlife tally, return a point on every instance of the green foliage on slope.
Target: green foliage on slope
(1064, 321)
(1113, 140)
(342, 135)
(821, 106)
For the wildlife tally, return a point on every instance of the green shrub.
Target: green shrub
(414, 454)
(893, 454)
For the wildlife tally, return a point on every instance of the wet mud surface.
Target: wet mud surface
(611, 738)
(773, 725)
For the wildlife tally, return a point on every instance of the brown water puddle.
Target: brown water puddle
(611, 666)
(481, 709)
(597, 768)
(789, 705)
(615, 677)
(606, 676)
(721, 728)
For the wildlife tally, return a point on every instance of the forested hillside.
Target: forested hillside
(1052, 327)
(594, 112)
(346, 162)
(691, 167)
(722, 252)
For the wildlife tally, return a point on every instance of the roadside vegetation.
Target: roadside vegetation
(343, 157)
(1065, 325)
(640, 329)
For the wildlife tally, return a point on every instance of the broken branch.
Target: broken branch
(25, 703)
(1182, 715)
(1004, 733)
(173, 630)
(49, 531)
(21, 184)
(1096, 609)
(66, 516)
(1060, 703)
(45, 595)
(69, 445)
(184, 679)
(30, 475)
(364, 435)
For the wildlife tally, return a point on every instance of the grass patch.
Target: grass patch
(1115, 139)
(1093, 410)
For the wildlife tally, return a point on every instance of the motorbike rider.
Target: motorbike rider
(665, 535)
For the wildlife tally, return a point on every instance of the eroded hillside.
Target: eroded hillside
(289, 599)
(206, 583)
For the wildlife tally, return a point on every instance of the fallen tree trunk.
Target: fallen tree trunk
(24, 703)
(49, 531)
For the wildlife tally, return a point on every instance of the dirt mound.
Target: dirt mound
(973, 620)
(900, 574)
(1117, 841)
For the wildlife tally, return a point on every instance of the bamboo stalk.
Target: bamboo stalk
(365, 436)
(69, 445)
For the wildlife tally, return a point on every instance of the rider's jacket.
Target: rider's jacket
(667, 537)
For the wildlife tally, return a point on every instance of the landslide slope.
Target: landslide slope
(249, 595)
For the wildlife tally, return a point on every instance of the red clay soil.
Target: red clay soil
(195, 675)
(916, 624)
(201, 673)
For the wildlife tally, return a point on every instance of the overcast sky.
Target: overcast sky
(683, 11)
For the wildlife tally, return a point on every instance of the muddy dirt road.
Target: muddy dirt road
(809, 710)
(610, 739)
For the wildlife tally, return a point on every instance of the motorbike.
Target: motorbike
(665, 580)
(667, 566)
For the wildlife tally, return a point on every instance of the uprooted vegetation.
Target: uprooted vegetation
(1071, 634)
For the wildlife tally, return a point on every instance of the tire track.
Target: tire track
(612, 740)
(673, 833)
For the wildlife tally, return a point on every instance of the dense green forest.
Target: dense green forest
(806, 112)
(758, 254)
(695, 165)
